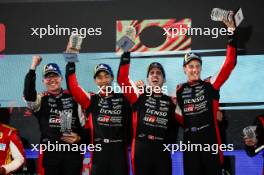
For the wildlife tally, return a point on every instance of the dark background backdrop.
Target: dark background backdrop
(20, 17)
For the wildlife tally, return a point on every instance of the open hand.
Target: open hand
(230, 24)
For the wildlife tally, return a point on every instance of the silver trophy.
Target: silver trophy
(250, 132)
(66, 122)
(131, 32)
(218, 14)
(75, 42)
(74, 47)
(127, 41)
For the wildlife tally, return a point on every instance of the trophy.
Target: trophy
(250, 132)
(126, 42)
(73, 48)
(218, 14)
(75, 42)
(66, 122)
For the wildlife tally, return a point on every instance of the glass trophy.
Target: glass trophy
(218, 14)
(127, 41)
(73, 49)
(75, 42)
(66, 122)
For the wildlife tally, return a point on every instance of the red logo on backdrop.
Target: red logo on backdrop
(2, 37)
(165, 40)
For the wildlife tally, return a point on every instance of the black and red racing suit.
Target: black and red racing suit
(108, 120)
(48, 109)
(196, 110)
(153, 119)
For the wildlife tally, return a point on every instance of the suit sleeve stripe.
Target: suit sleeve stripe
(79, 94)
(218, 80)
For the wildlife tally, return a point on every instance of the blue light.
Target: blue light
(244, 165)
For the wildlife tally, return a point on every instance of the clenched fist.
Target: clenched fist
(36, 60)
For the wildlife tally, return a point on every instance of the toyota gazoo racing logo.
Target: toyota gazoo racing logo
(189, 108)
(150, 118)
(55, 120)
(104, 118)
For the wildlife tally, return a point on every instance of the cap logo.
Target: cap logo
(101, 67)
(189, 56)
(50, 67)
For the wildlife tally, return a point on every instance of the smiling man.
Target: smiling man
(156, 76)
(51, 108)
(153, 119)
(108, 115)
(197, 106)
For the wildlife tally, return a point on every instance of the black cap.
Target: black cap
(191, 56)
(156, 65)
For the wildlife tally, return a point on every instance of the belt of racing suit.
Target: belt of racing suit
(196, 129)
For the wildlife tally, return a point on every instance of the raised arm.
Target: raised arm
(230, 61)
(129, 88)
(79, 94)
(30, 94)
